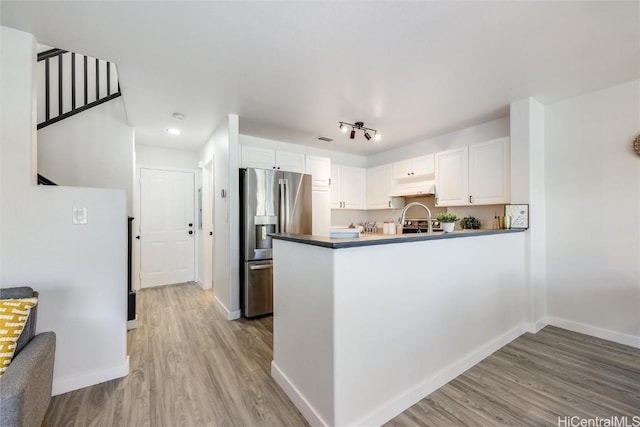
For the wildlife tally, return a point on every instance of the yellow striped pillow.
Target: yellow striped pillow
(13, 316)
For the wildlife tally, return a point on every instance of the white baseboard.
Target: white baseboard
(69, 384)
(594, 331)
(294, 395)
(409, 398)
(231, 315)
(536, 327)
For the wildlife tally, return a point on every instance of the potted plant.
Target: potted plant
(448, 221)
(470, 223)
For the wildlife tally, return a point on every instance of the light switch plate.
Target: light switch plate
(80, 216)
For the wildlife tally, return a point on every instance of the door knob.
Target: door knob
(138, 237)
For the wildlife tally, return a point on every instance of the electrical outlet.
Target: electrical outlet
(79, 216)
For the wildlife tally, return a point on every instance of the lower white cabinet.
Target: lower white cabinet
(478, 174)
(321, 221)
(347, 187)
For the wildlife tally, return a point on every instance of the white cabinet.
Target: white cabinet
(412, 168)
(478, 174)
(320, 170)
(290, 162)
(347, 187)
(452, 177)
(379, 185)
(264, 158)
(490, 172)
(321, 221)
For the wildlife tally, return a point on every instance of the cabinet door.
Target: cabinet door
(401, 169)
(261, 158)
(489, 172)
(452, 177)
(335, 199)
(321, 219)
(353, 187)
(289, 162)
(423, 165)
(320, 170)
(378, 187)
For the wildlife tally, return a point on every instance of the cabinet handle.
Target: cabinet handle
(274, 167)
(470, 199)
(389, 203)
(412, 173)
(278, 167)
(409, 173)
(329, 181)
(437, 200)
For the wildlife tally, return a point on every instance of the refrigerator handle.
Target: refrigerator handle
(282, 211)
(287, 205)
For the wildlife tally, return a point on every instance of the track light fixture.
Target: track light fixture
(344, 126)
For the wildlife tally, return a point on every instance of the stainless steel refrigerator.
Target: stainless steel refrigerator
(271, 201)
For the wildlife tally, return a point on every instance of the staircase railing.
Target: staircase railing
(42, 180)
(60, 70)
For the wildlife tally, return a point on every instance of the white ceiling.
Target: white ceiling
(292, 70)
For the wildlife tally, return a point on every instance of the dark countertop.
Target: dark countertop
(383, 239)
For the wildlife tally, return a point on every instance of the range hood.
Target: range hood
(414, 189)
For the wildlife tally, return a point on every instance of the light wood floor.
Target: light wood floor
(191, 367)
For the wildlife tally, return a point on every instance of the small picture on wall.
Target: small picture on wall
(519, 215)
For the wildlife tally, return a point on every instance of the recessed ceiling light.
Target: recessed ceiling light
(174, 131)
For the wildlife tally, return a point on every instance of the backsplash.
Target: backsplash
(342, 217)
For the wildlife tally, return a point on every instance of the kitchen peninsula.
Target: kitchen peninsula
(366, 327)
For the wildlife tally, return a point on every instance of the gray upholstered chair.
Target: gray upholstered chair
(25, 387)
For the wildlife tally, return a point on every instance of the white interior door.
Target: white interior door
(167, 227)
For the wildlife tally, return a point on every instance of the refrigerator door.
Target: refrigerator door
(258, 288)
(295, 201)
(260, 189)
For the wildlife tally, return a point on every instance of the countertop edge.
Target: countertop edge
(330, 243)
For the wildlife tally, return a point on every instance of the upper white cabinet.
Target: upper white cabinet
(412, 168)
(347, 187)
(264, 158)
(490, 172)
(379, 185)
(452, 177)
(475, 175)
(320, 170)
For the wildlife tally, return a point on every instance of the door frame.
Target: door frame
(137, 247)
(208, 210)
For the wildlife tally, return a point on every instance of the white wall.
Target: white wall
(159, 157)
(528, 187)
(593, 213)
(91, 149)
(479, 133)
(223, 148)
(79, 270)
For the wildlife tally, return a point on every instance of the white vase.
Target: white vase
(448, 226)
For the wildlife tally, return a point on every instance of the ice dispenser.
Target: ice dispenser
(264, 225)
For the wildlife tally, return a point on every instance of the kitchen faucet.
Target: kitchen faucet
(404, 213)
